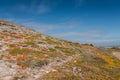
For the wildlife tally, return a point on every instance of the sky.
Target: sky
(83, 21)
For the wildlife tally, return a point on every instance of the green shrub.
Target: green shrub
(37, 63)
(91, 45)
(1, 36)
(19, 51)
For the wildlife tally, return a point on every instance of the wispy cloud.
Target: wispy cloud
(38, 6)
(98, 37)
(45, 27)
(79, 34)
(44, 6)
(41, 6)
(79, 3)
(40, 27)
(44, 9)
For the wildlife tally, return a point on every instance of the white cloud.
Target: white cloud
(39, 7)
(98, 37)
(79, 34)
(88, 37)
(43, 9)
(40, 27)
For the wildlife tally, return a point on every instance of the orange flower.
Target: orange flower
(17, 57)
(24, 56)
(8, 56)
(10, 60)
(46, 58)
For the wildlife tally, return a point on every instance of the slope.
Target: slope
(29, 55)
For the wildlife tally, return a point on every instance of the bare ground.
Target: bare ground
(117, 54)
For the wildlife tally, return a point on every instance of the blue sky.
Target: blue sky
(84, 21)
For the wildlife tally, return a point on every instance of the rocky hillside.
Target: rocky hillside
(28, 55)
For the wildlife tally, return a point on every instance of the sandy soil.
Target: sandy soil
(117, 54)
